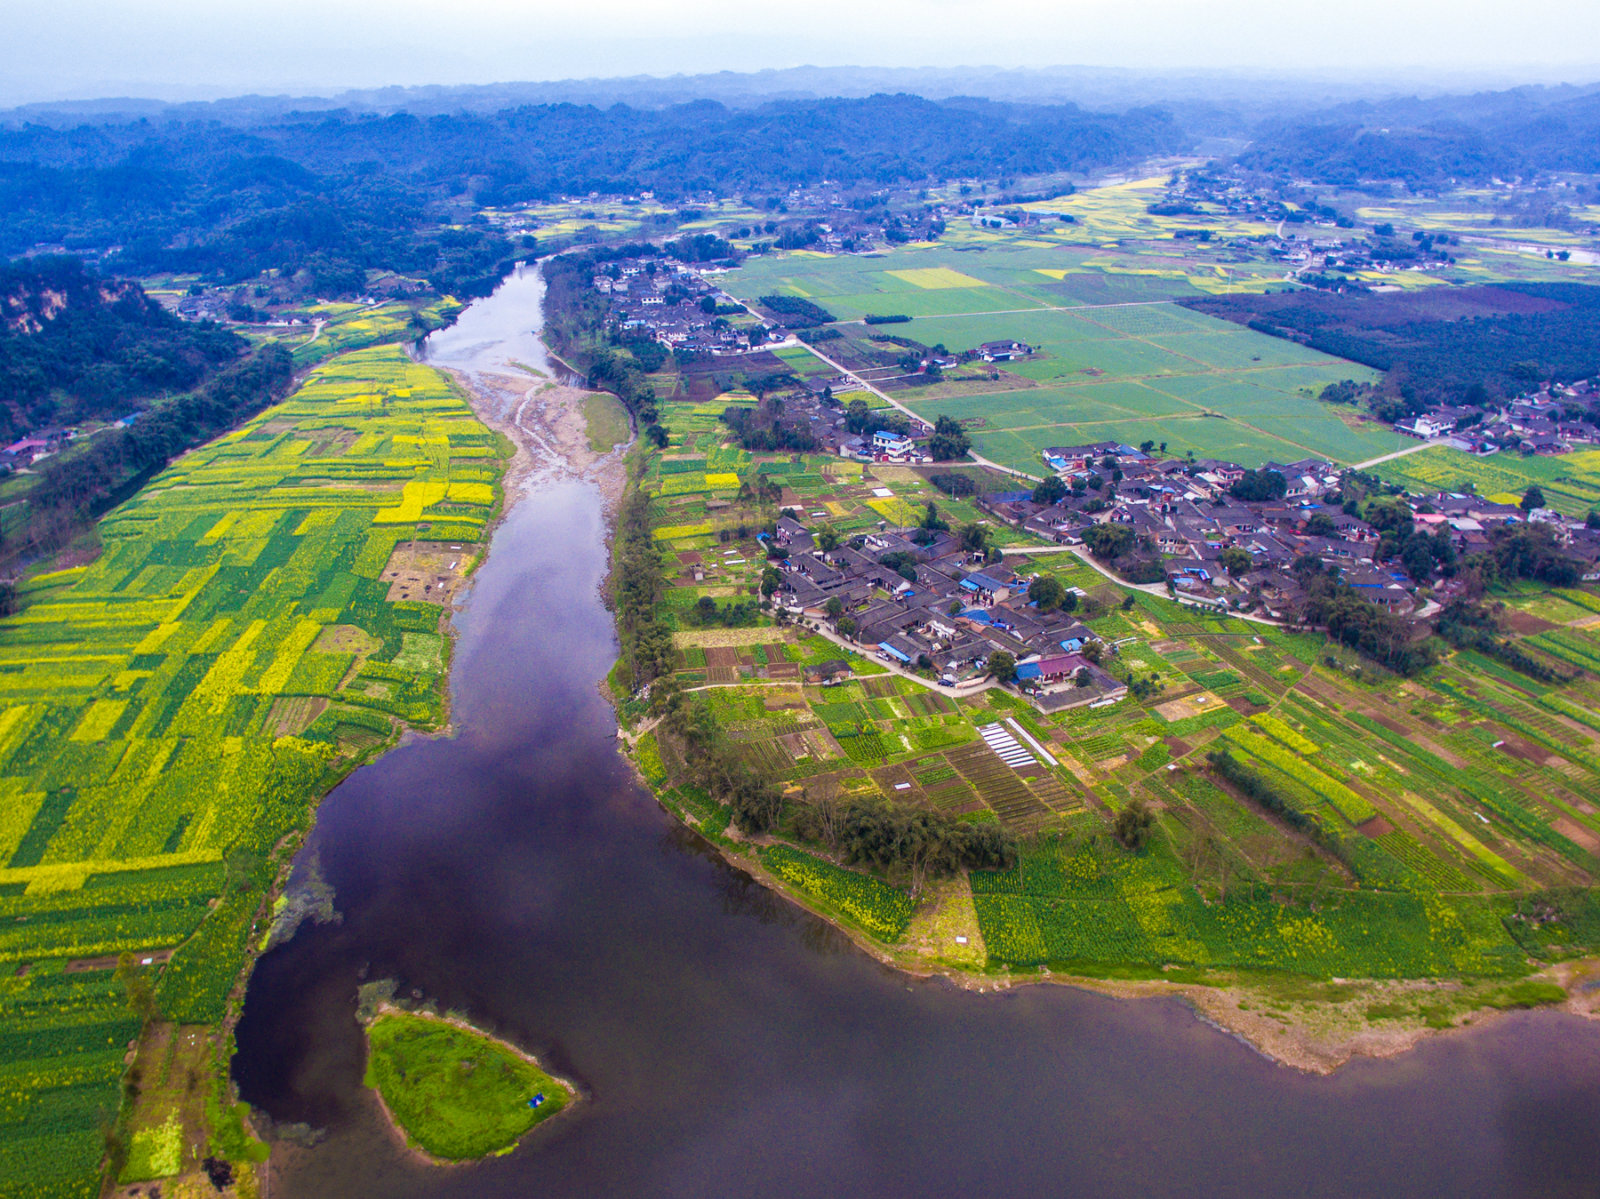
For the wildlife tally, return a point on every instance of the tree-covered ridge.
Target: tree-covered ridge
(1470, 139)
(74, 346)
(371, 191)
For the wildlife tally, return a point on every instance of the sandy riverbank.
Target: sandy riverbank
(545, 421)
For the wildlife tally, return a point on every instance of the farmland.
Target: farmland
(172, 711)
(1113, 361)
(1570, 482)
(1418, 823)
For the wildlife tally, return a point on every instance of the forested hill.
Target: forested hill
(1469, 139)
(367, 191)
(74, 346)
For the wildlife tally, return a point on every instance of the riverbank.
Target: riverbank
(1311, 1025)
(546, 421)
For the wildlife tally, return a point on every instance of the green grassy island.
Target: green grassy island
(457, 1094)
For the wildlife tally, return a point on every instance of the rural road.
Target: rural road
(894, 403)
(860, 650)
(1410, 449)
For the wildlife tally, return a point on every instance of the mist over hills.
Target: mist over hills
(1230, 100)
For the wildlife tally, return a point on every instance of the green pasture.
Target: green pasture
(606, 422)
(1157, 373)
(457, 1094)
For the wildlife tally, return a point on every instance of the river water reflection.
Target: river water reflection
(730, 1045)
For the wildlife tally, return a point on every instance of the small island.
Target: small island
(456, 1094)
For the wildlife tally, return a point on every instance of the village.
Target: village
(931, 600)
(946, 604)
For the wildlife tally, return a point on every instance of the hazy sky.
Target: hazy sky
(55, 49)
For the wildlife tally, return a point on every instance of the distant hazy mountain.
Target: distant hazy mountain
(1220, 101)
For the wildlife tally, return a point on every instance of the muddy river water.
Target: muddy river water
(728, 1044)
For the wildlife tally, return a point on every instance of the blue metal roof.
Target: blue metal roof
(1028, 670)
(892, 652)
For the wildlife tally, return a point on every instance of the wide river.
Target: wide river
(728, 1044)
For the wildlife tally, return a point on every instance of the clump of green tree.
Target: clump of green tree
(949, 440)
(1259, 486)
(637, 586)
(1133, 825)
(1531, 551)
(797, 313)
(713, 763)
(1354, 621)
(1051, 491)
(921, 842)
(764, 428)
(958, 486)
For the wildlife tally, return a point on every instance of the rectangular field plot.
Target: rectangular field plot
(936, 277)
(1222, 390)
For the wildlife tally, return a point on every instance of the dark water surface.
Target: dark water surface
(730, 1045)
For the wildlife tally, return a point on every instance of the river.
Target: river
(728, 1044)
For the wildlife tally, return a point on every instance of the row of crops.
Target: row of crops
(871, 905)
(170, 712)
(1089, 903)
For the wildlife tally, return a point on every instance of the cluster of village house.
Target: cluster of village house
(958, 610)
(952, 617)
(661, 299)
(42, 443)
(1182, 508)
(1552, 420)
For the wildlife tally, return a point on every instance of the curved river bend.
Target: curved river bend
(729, 1044)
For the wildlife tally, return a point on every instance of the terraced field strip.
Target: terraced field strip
(1057, 796)
(998, 784)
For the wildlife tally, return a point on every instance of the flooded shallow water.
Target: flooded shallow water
(728, 1043)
